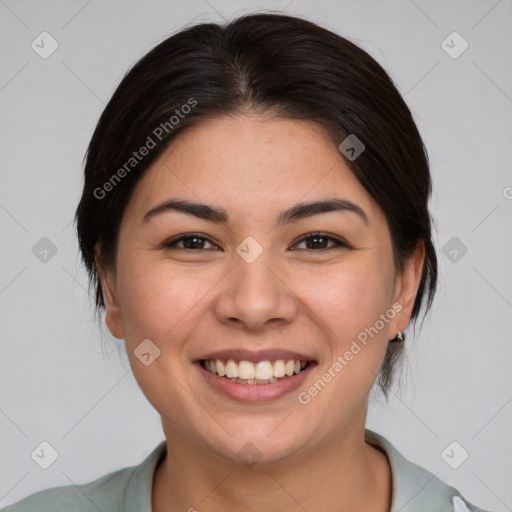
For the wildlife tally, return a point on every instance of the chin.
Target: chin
(262, 443)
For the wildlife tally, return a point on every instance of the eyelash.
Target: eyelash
(172, 244)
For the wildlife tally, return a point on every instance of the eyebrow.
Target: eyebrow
(221, 216)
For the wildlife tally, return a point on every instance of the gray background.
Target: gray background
(61, 382)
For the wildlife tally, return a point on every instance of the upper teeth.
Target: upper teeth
(262, 370)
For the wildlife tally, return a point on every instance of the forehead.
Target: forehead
(251, 164)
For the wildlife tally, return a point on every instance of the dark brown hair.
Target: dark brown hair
(264, 63)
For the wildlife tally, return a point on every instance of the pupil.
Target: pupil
(315, 239)
(187, 242)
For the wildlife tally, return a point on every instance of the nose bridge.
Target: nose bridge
(255, 293)
(253, 274)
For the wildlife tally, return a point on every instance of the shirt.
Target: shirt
(129, 489)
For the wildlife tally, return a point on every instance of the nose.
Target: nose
(256, 294)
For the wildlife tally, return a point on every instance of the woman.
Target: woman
(255, 221)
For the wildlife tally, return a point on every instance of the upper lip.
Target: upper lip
(255, 355)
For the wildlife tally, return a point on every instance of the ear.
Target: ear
(406, 287)
(108, 287)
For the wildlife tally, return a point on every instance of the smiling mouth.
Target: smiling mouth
(261, 372)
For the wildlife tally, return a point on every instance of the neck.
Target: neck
(343, 473)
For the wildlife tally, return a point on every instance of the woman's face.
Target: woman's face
(251, 283)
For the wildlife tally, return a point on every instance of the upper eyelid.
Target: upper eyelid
(180, 238)
(339, 240)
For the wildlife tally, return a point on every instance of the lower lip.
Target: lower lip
(254, 392)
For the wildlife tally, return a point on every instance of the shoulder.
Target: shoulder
(104, 493)
(123, 490)
(414, 488)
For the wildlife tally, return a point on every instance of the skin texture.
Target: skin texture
(316, 303)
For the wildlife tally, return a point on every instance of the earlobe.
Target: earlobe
(407, 286)
(108, 288)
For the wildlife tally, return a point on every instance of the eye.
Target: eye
(191, 242)
(317, 242)
(196, 242)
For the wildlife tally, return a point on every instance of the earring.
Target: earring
(400, 337)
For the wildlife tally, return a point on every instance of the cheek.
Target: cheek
(162, 305)
(161, 302)
(350, 298)
(158, 302)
